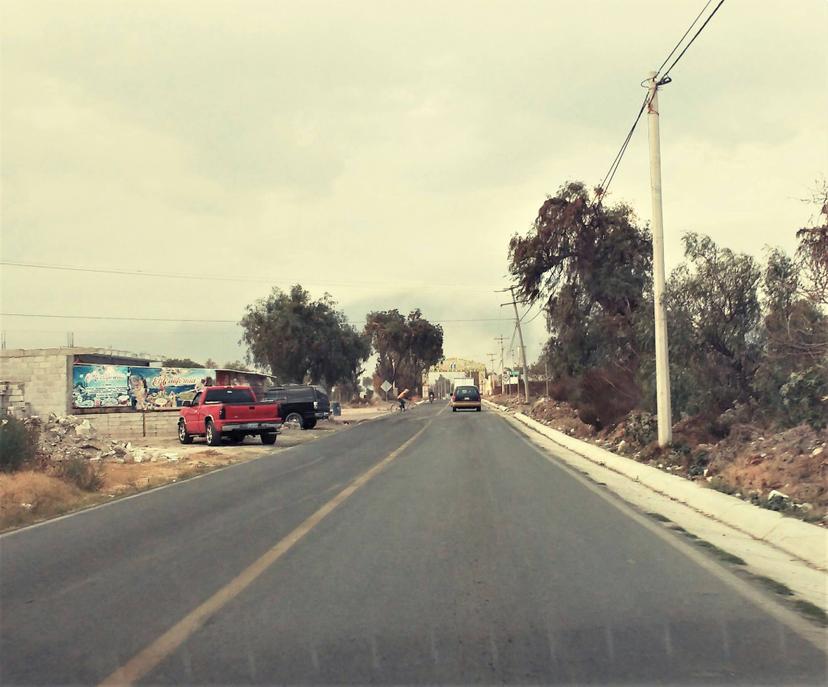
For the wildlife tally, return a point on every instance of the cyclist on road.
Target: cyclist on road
(431, 396)
(402, 397)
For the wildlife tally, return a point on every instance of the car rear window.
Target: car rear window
(229, 396)
(466, 393)
(301, 395)
(297, 394)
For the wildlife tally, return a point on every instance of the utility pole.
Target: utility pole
(665, 424)
(501, 339)
(491, 357)
(513, 302)
(546, 374)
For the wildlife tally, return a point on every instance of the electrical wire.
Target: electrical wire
(205, 320)
(528, 310)
(695, 36)
(537, 314)
(224, 278)
(681, 40)
(610, 175)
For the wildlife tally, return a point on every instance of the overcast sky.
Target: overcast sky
(384, 152)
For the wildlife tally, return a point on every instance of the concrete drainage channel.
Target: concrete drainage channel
(786, 557)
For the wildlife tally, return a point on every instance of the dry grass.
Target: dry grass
(28, 496)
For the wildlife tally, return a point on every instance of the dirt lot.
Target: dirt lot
(786, 471)
(29, 496)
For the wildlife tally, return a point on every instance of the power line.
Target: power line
(528, 310)
(119, 318)
(203, 320)
(226, 278)
(610, 175)
(537, 314)
(695, 35)
(681, 40)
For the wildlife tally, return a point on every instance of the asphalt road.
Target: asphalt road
(467, 558)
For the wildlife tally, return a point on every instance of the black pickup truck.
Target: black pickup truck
(300, 405)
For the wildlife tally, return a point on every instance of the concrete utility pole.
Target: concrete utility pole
(522, 347)
(665, 423)
(491, 357)
(501, 339)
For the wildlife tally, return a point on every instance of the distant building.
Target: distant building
(439, 376)
(458, 365)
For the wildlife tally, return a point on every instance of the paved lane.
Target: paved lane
(469, 559)
(81, 595)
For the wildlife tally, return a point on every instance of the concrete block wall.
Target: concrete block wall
(13, 399)
(44, 376)
(134, 426)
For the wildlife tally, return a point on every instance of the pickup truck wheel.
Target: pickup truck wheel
(213, 437)
(294, 420)
(268, 438)
(183, 435)
(309, 424)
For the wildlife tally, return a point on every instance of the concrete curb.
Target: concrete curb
(802, 540)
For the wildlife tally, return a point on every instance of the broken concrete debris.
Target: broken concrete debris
(69, 437)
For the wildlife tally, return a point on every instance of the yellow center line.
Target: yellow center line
(152, 655)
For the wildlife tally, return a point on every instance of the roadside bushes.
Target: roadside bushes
(606, 395)
(791, 380)
(804, 398)
(18, 443)
(81, 472)
(640, 428)
(19, 440)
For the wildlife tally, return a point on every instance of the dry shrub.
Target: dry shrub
(563, 389)
(18, 443)
(704, 428)
(82, 473)
(26, 496)
(606, 395)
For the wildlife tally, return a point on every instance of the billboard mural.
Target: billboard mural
(96, 386)
(139, 388)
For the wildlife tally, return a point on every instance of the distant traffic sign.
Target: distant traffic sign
(385, 386)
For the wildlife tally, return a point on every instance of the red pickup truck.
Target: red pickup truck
(231, 412)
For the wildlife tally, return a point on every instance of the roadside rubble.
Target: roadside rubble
(70, 437)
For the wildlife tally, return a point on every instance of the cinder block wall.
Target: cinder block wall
(44, 376)
(134, 426)
(13, 398)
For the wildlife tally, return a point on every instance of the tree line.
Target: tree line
(302, 340)
(745, 335)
